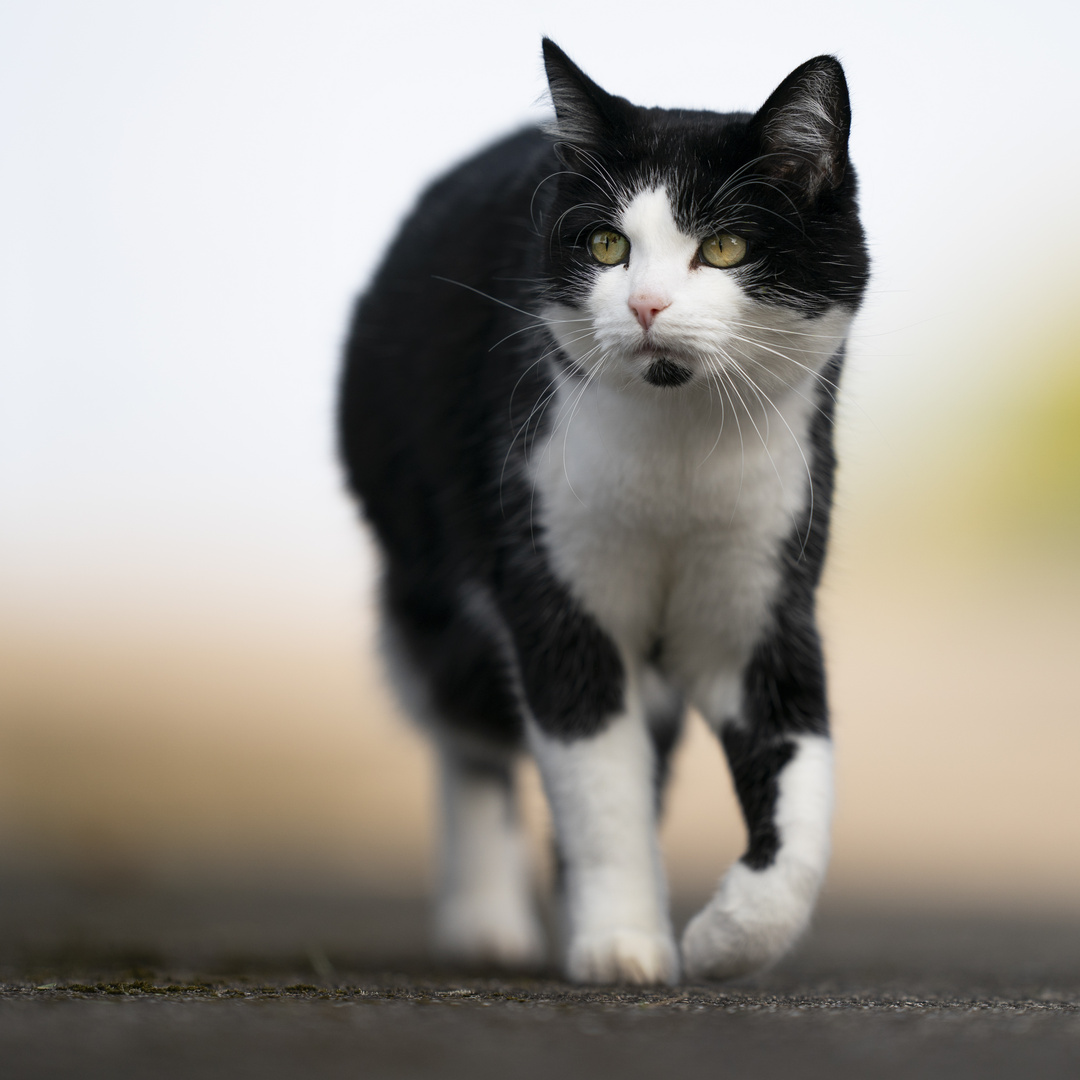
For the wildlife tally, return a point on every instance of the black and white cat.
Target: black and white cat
(587, 407)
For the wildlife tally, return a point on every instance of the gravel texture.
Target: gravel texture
(264, 983)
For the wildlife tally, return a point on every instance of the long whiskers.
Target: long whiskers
(791, 386)
(574, 405)
(554, 389)
(546, 396)
(710, 381)
(576, 336)
(532, 326)
(538, 319)
(722, 387)
(831, 387)
(760, 394)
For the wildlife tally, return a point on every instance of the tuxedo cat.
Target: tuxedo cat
(587, 408)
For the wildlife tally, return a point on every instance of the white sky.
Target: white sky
(192, 192)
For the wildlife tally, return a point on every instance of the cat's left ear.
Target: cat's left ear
(803, 128)
(586, 115)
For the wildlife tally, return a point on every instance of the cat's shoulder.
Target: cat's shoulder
(499, 167)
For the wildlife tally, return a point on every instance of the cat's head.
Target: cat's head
(701, 250)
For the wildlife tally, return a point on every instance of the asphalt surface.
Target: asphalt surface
(270, 984)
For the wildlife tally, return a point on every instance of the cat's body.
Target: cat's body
(587, 407)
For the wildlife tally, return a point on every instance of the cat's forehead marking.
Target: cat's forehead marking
(648, 221)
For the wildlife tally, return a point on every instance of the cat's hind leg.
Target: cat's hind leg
(484, 906)
(665, 712)
(780, 757)
(445, 660)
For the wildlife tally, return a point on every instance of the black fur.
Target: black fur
(664, 372)
(756, 761)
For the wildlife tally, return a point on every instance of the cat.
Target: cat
(587, 409)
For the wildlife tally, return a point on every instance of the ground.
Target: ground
(268, 983)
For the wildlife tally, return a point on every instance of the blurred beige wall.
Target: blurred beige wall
(174, 751)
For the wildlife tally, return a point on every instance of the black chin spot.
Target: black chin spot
(664, 372)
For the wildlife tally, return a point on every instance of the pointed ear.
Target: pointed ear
(585, 114)
(803, 127)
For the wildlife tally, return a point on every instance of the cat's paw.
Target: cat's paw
(637, 957)
(487, 933)
(753, 919)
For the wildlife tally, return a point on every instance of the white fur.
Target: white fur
(601, 794)
(484, 910)
(756, 915)
(667, 528)
(659, 698)
(664, 508)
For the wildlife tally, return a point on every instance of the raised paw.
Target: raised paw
(487, 933)
(637, 957)
(753, 919)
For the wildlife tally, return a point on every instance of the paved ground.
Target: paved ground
(237, 985)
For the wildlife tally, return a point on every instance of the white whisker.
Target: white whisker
(798, 446)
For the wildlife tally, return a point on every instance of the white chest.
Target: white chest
(664, 514)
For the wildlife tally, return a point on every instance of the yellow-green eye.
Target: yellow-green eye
(723, 250)
(609, 247)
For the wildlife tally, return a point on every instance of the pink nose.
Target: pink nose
(646, 308)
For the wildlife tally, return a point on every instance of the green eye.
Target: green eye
(609, 247)
(723, 250)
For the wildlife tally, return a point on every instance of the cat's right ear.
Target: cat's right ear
(803, 127)
(585, 114)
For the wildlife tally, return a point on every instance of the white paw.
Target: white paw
(630, 956)
(483, 932)
(753, 919)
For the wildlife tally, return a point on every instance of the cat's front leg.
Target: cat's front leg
(764, 902)
(780, 755)
(601, 791)
(587, 729)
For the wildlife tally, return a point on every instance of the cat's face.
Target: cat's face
(703, 251)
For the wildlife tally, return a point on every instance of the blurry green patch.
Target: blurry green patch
(1030, 486)
(1010, 477)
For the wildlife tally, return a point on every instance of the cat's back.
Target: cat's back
(419, 383)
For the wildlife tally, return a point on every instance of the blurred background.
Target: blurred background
(192, 195)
